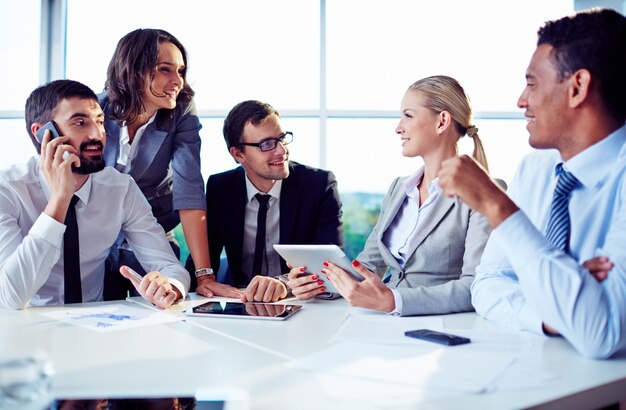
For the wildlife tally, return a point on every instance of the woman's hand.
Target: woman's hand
(303, 285)
(371, 293)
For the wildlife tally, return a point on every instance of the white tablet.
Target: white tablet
(241, 310)
(313, 257)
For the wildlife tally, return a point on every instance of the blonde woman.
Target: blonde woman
(425, 245)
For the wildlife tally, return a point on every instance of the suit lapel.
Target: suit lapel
(395, 202)
(236, 203)
(440, 209)
(147, 150)
(112, 146)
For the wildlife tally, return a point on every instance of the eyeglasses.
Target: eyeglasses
(269, 144)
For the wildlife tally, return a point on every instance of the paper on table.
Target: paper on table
(110, 317)
(440, 367)
(384, 395)
(502, 341)
(384, 329)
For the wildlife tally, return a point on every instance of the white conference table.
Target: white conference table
(177, 358)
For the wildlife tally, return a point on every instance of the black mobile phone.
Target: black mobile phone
(437, 337)
(54, 131)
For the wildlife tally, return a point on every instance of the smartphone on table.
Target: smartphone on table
(434, 336)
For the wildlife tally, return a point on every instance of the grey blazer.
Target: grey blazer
(437, 276)
(167, 164)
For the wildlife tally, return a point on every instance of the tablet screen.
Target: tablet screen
(245, 310)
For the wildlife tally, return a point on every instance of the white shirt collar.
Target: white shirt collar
(252, 191)
(125, 144)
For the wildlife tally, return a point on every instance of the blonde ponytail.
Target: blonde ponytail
(479, 151)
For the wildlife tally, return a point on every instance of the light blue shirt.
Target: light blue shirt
(523, 280)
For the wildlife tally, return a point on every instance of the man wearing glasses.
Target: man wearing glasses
(265, 201)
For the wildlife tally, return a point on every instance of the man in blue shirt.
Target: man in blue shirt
(535, 270)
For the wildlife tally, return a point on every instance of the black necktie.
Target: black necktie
(558, 232)
(71, 257)
(259, 244)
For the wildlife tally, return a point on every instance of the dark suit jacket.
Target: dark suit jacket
(310, 213)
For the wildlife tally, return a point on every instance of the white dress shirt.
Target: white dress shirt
(272, 230)
(128, 149)
(31, 242)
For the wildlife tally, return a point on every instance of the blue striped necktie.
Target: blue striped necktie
(558, 232)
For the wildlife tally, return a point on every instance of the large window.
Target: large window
(20, 70)
(342, 64)
(335, 69)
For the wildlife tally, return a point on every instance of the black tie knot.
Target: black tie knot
(263, 199)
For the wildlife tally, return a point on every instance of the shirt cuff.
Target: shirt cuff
(529, 320)
(398, 301)
(179, 285)
(48, 229)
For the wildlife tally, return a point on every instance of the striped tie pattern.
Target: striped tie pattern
(559, 223)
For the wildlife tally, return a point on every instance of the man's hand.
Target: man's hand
(154, 287)
(549, 330)
(304, 286)
(371, 293)
(466, 179)
(209, 287)
(599, 267)
(58, 174)
(264, 289)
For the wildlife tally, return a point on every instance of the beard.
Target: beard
(89, 164)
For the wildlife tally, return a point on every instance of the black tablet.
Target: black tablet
(247, 310)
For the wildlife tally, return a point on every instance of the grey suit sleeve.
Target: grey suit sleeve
(454, 295)
(188, 184)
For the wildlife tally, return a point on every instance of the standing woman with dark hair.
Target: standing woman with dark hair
(153, 135)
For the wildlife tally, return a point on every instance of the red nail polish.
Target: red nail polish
(302, 270)
(323, 271)
(314, 277)
(355, 263)
(325, 263)
(323, 289)
(319, 282)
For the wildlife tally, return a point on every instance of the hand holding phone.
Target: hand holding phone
(138, 277)
(54, 131)
(134, 273)
(442, 338)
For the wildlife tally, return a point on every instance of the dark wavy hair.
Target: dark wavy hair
(135, 56)
(43, 101)
(594, 40)
(251, 110)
